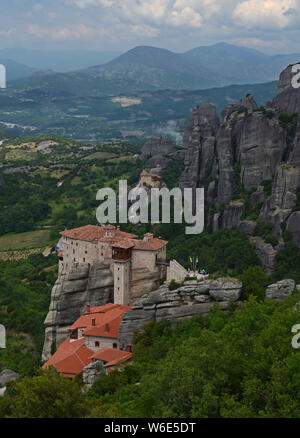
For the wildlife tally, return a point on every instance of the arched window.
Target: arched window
(97, 344)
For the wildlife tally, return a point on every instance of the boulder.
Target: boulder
(7, 376)
(281, 290)
(91, 373)
(226, 289)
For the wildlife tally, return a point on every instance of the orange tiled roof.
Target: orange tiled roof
(149, 245)
(108, 328)
(106, 320)
(111, 356)
(91, 233)
(71, 357)
(124, 244)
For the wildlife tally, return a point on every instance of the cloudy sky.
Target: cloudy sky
(272, 26)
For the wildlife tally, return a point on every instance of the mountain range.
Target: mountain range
(152, 68)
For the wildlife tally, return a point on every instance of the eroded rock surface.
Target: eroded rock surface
(71, 293)
(178, 305)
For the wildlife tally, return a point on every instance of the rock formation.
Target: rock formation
(281, 290)
(178, 305)
(249, 156)
(71, 293)
(7, 376)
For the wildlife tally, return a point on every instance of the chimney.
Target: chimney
(94, 322)
(148, 236)
(107, 327)
(88, 308)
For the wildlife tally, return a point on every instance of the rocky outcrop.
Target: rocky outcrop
(7, 376)
(199, 140)
(249, 163)
(179, 305)
(293, 226)
(266, 254)
(91, 373)
(224, 289)
(83, 285)
(281, 290)
(288, 98)
(158, 146)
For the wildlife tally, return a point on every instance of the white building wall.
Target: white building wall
(90, 342)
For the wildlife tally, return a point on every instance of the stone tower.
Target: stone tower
(121, 255)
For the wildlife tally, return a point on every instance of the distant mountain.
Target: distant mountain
(62, 61)
(16, 70)
(239, 63)
(203, 67)
(150, 68)
(159, 68)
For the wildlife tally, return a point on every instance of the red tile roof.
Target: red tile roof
(111, 356)
(71, 357)
(92, 233)
(106, 320)
(124, 244)
(152, 244)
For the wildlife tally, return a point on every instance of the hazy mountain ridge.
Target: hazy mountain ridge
(151, 68)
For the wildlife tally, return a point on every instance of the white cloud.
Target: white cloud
(65, 33)
(143, 31)
(185, 17)
(267, 14)
(8, 32)
(175, 13)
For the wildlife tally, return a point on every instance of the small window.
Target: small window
(115, 346)
(84, 259)
(97, 344)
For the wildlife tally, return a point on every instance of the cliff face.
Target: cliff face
(71, 293)
(179, 305)
(249, 162)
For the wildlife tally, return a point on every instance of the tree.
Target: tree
(47, 395)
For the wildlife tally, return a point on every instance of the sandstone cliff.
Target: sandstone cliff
(248, 160)
(178, 305)
(71, 293)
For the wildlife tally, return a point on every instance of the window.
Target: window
(84, 259)
(115, 345)
(97, 344)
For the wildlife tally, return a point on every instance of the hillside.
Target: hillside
(84, 109)
(16, 70)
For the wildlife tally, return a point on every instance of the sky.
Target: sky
(271, 26)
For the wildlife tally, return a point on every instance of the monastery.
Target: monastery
(137, 265)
